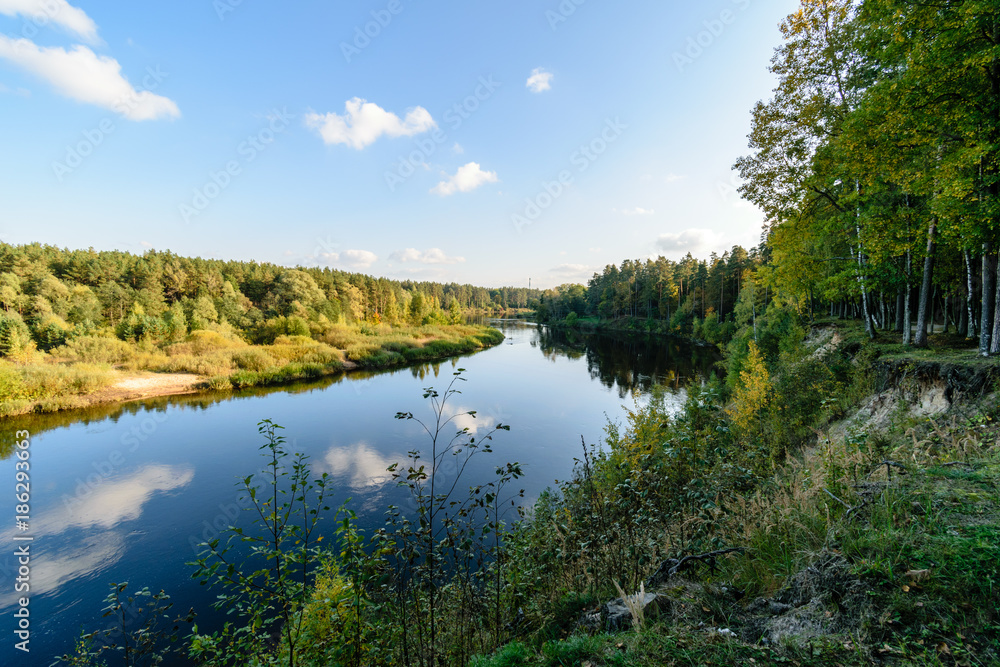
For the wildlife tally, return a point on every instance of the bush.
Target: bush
(342, 336)
(219, 383)
(253, 359)
(216, 363)
(97, 350)
(52, 380)
(11, 383)
(268, 331)
(202, 342)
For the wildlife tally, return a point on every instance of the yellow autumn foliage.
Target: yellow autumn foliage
(753, 395)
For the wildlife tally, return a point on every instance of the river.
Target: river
(126, 493)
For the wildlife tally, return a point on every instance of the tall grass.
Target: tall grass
(88, 363)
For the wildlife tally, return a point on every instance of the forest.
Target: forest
(73, 321)
(876, 162)
(49, 295)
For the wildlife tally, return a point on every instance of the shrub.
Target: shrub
(216, 363)
(268, 331)
(11, 383)
(219, 383)
(97, 350)
(202, 342)
(253, 359)
(342, 336)
(51, 380)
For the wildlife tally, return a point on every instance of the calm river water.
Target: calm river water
(126, 493)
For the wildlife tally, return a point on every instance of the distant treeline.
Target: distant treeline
(49, 295)
(674, 295)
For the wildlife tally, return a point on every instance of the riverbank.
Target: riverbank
(92, 371)
(874, 540)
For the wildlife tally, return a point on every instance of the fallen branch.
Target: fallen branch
(850, 508)
(889, 465)
(672, 566)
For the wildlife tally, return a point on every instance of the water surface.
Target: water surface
(127, 493)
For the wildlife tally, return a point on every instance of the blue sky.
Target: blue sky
(481, 142)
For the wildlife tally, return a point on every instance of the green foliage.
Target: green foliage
(50, 331)
(15, 338)
(267, 332)
(97, 350)
(253, 359)
(267, 591)
(138, 629)
(446, 556)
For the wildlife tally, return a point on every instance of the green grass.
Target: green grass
(662, 645)
(918, 561)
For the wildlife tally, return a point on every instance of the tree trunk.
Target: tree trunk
(907, 315)
(925, 289)
(970, 329)
(899, 309)
(995, 342)
(988, 299)
(869, 329)
(963, 321)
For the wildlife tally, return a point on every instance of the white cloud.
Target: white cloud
(358, 259)
(638, 211)
(429, 256)
(113, 501)
(364, 122)
(457, 149)
(689, 240)
(360, 463)
(85, 557)
(466, 179)
(462, 419)
(86, 77)
(673, 178)
(59, 12)
(539, 81)
(352, 259)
